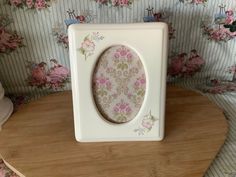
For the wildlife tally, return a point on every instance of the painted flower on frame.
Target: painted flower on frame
(9, 40)
(182, 66)
(88, 45)
(53, 78)
(147, 124)
(115, 3)
(30, 4)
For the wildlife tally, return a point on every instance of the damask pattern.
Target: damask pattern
(119, 84)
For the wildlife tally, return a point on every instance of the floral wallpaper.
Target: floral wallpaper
(34, 58)
(9, 40)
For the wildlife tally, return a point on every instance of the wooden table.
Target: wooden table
(38, 141)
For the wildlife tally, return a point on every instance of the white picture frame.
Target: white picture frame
(150, 42)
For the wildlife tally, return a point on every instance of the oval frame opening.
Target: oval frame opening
(119, 84)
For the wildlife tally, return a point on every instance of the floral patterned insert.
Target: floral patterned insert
(119, 84)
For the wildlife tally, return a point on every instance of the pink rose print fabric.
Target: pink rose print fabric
(9, 40)
(5, 171)
(119, 84)
(181, 65)
(115, 3)
(53, 78)
(217, 30)
(197, 2)
(30, 4)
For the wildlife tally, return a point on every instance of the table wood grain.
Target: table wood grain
(38, 141)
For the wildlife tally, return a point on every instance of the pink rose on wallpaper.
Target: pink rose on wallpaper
(181, 66)
(115, 3)
(38, 75)
(199, 1)
(194, 1)
(40, 4)
(54, 78)
(218, 30)
(230, 16)
(215, 86)
(4, 40)
(121, 2)
(194, 63)
(9, 41)
(57, 74)
(63, 39)
(221, 34)
(177, 65)
(16, 2)
(29, 3)
(101, 1)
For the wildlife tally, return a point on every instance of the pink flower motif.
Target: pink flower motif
(123, 2)
(217, 90)
(118, 3)
(129, 56)
(116, 55)
(29, 3)
(40, 4)
(4, 40)
(2, 173)
(199, 1)
(232, 69)
(122, 108)
(230, 17)
(102, 82)
(180, 67)
(147, 123)
(58, 73)
(16, 2)
(54, 78)
(101, 1)
(38, 75)
(194, 63)
(140, 82)
(123, 51)
(9, 41)
(177, 65)
(219, 34)
(88, 45)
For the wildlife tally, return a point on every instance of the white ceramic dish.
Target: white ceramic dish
(88, 45)
(6, 108)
